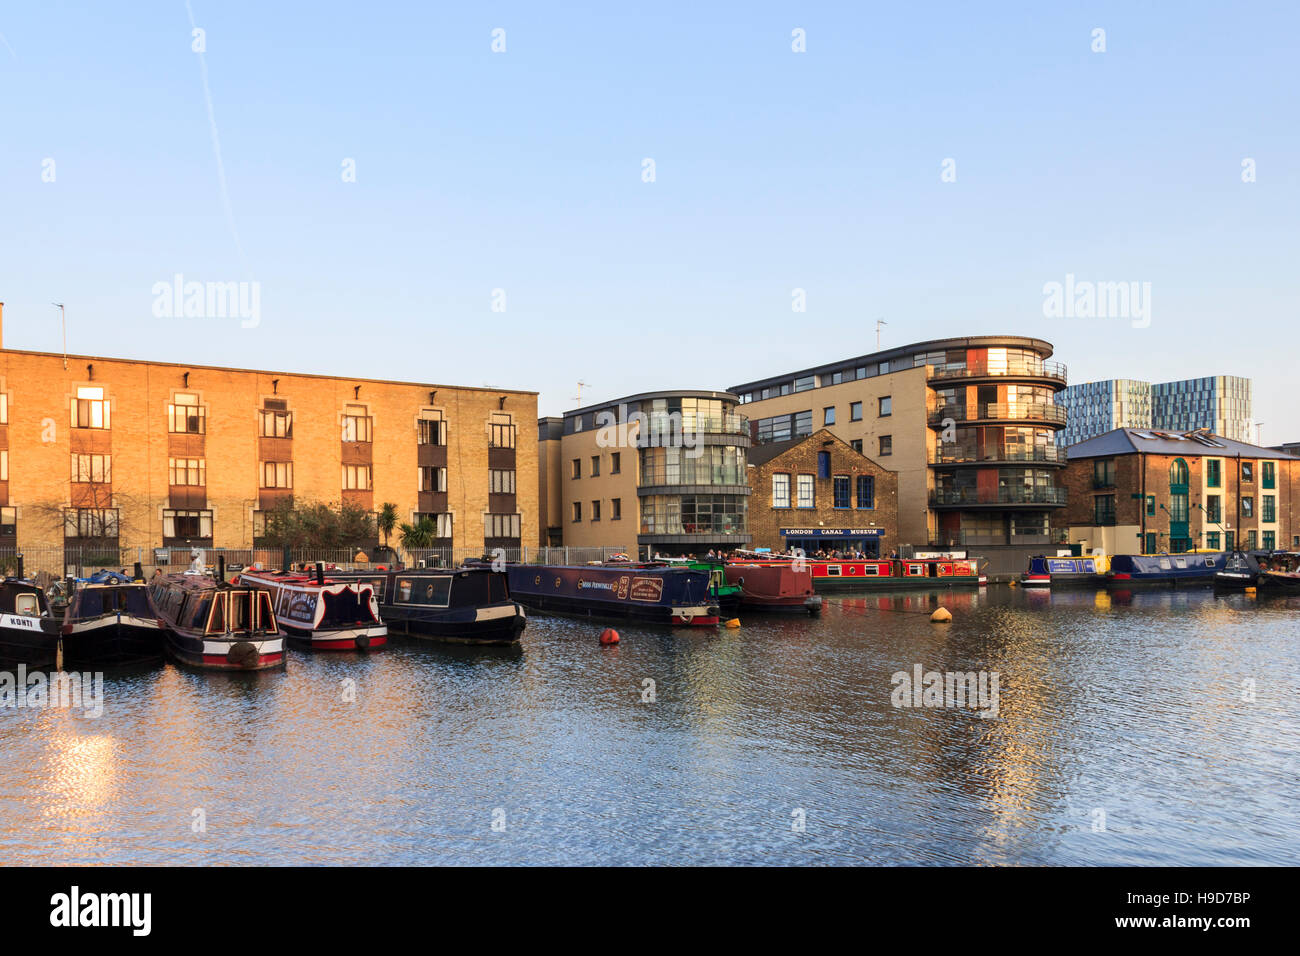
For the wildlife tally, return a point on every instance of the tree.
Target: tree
(293, 524)
(418, 536)
(387, 520)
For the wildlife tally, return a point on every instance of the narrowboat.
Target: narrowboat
(28, 632)
(1240, 570)
(774, 587)
(111, 621)
(1046, 571)
(323, 614)
(468, 605)
(214, 625)
(1191, 569)
(879, 574)
(663, 595)
(721, 590)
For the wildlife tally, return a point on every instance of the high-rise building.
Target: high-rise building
(1221, 404)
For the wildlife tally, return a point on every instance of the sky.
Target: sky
(409, 203)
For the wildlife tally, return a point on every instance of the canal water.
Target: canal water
(1160, 728)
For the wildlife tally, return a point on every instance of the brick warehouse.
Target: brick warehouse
(112, 452)
(819, 486)
(1143, 490)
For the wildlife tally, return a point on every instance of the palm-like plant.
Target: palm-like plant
(386, 520)
(418, 536)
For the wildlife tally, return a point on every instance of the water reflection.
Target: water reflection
(1169, 712)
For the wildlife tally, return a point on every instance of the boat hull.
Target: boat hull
(675, 596)
(26, 640)
(363, 638)
(494, 624)
(775, 588)
(113, 641)
(255, 653)
(1129, 571)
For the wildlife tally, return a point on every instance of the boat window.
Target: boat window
(1164, 564)
(832, 570)
(217, 623)
(265, 616)
(1180, 562)
(27, 605)
(92, 603)
(871, 570)
(239, 611)
(199, 615)
(916, 569)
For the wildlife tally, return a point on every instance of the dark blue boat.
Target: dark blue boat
(663, 595)
(1192, 569)
(1055, 572)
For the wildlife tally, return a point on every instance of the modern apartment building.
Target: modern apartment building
(102, 453)
(1154, 491)
(656, 472)
(968, 425)
(1220, 404)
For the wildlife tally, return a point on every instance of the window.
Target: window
(1268, 475)
(1270, 540)
(855, 411)
(1103, 510)
(4, 408)
(501, 481)
(441, 521)
(577, 511)
(803, 423)
(804, 491)
(274, 421)
(1247, 507)
(595, 511)
(856, 445)
(823, 464)
(434, 479)
(1230, 541)
(805, 383)
(886, 445)
(500, 526)
(866, 491)
(883, 368)
(501, 432)
(1151, 506)
(1213, 510)
(277, 474)
(356, 424)
(575, 468)
(840, 491)
(1252, 541)
(4, 464)
(187, 524)
(595, 465)
(185, 416)
(8, 522)
(615, 463)
(1213, 473)
(615, 509)
(430, 428)
(90, 523)
(1247, 471)
(1151, 546)
(1212, 540)
(92, 468)
(90, 409)
(187, 471)
(1178, 473)
(780, 491)
(886, 406)
(828, 415)
(1268, 509)
(356, 478)
(1103, 473)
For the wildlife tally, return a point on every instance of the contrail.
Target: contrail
(216, 146)
(8, 47)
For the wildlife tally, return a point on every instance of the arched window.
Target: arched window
(1178, 473)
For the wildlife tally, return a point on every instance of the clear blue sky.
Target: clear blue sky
(774, 171)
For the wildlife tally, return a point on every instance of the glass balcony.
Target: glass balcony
(957, 497)
(1055, 371)
(999, 411)
(950, 454)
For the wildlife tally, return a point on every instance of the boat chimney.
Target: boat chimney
(320, 572)
(20, 567)
(139, 571)
(221, 568)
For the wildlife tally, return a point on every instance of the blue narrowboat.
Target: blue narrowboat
(664, 595)
(1045, 571)
(1191, 569)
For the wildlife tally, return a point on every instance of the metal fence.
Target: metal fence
(45, 565)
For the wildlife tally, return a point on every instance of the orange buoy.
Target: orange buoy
(609, 636)
(941, 616)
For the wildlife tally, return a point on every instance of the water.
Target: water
(1132, 709)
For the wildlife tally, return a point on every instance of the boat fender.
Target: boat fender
(242, 654)
(363, 642)
(609, 636)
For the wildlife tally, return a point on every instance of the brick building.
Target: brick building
(1142, 490)
(107, 453)
(819, 493)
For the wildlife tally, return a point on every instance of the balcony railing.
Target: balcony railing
(1051, 370)
(692, 424)
(951, 455)
(999, 496)
(999, 411)
(951, 539)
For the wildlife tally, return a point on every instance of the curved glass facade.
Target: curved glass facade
(694, 514)
(702, 465)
